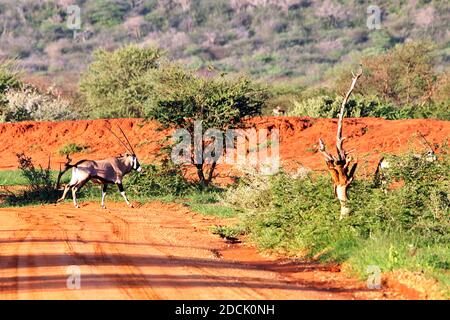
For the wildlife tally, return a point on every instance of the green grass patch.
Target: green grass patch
(213, 210)
(16, 178)
(12, 178)
(208, 202)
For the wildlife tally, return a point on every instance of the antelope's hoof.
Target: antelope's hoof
(77, 207)
(59, 200)
(130, 205)
(103, 207)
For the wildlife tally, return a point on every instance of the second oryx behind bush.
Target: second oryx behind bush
(104, 172)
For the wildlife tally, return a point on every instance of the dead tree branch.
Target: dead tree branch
(339, 166)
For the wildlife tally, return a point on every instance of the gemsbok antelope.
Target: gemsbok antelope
(104, 172)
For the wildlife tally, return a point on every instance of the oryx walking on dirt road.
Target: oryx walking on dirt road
(104, 172)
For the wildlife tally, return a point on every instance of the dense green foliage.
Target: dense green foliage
(107, 14)
(404, 226)
(400, 83)
(180, 98)
(327, 106)
(404, 76)
(135, 82)
(159, 180)
(117, 84)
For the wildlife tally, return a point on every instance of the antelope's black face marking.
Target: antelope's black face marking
(136, 164)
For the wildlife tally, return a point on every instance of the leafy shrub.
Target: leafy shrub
(8, 80)
(40, 183)
(327, 106)
(243, 195)
(301, 216)
(180, 97)
(159, 180)
(72, 148)
(38, 179)
(403, 76)
(316, 107)
(231, 233)
(8, 76)
(117, 83)
(29, 104)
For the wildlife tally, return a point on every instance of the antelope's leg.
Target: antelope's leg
(122, 192)
(73, 182)
(66, 189)
(77, 187)
(74, 196)
(104, 188)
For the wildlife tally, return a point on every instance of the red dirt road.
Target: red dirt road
(156, 251)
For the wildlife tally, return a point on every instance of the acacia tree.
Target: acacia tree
(404, 76)
(116, 83)
(182, 98)
(339, 167)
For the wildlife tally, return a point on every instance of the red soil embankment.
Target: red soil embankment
(370, 137)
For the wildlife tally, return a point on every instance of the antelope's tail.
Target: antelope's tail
(67, 167)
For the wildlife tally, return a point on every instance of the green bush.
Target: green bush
(38, 179)
(8, 80)
(301, 216)
(8, 76)
(316, 107)
(327, 106)
(159, 180)
(117, 83)
(72, 148)
(40, 183)
(180, 97)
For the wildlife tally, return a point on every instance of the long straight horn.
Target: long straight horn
(131, 147)
(123, 143)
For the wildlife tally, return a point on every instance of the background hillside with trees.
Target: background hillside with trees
(298, 39)
(303, 50)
